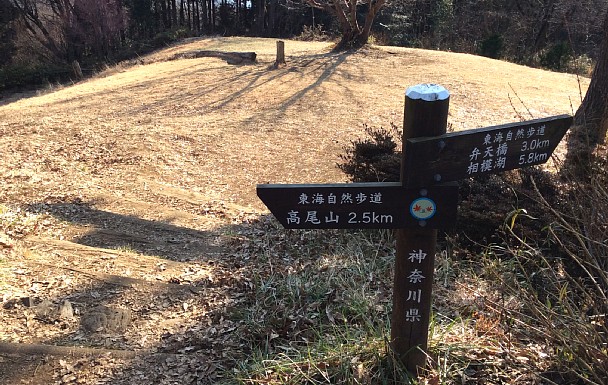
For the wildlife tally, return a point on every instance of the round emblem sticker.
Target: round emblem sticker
(423, 208)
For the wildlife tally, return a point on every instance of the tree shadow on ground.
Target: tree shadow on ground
(203, 347)
(115, 231)
(214, 95)
(77, 351)
(190, 346)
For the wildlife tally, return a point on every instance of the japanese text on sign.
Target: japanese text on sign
(491, 155)
(415, 277)
(361, 205)
(344, 198)
(316, 217)
(296, 217)
(458, 155)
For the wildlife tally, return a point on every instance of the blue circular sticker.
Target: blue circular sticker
(423, 208)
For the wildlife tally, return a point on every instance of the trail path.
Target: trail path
(131, 195)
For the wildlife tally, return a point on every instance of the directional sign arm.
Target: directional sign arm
(360, 205)
(463, 154)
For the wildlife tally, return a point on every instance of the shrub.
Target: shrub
(562, 282)
(171, 36)
(375, 158)
(557, 56)
(492, 46)
(313, 33)
(20, 76)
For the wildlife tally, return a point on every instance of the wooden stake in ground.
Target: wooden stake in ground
(77, 70)
(426, 112)
(280, 54)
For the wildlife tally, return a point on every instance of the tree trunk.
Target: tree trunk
(547, 11)
(182, 15)
(260, 13)
(374, 7)
(272, 17)
(205, 23)
(189, 12)
(592, 115)
(345, 12)
(230, 57)
(173, 13)
(77, 70)
(163, 15)
(237, 14)
(350, 30)
(591, 119)
(30, 16)
(212, 14)
(197, 14)
(157, 18)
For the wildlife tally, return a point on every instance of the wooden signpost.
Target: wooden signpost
(420, 203)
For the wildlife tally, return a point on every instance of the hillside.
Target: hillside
(136, 190)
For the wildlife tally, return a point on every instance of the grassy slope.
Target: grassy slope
(286, 125)
(169, 149)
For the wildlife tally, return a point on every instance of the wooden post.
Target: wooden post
(280, 54)
(77, 70)
(425, 114)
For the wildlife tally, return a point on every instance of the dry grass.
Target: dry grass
(160, 161)
(230, 127)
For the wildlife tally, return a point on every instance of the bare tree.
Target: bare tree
(68, 28)
(97, 26)
(42, 22)
(354, 33)
(8, 32)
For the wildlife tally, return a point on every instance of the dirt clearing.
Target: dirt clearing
(129, 196)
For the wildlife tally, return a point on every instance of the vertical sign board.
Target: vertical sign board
(425, 115)
(420, 203)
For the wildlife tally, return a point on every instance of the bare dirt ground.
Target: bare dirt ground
(126, 199)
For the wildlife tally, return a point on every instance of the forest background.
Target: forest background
(41, 39)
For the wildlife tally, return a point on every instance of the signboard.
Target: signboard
(421, 203)
(464, 154)
(360, 205)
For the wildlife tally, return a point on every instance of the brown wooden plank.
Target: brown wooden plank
(360, 205)
(489, 150)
